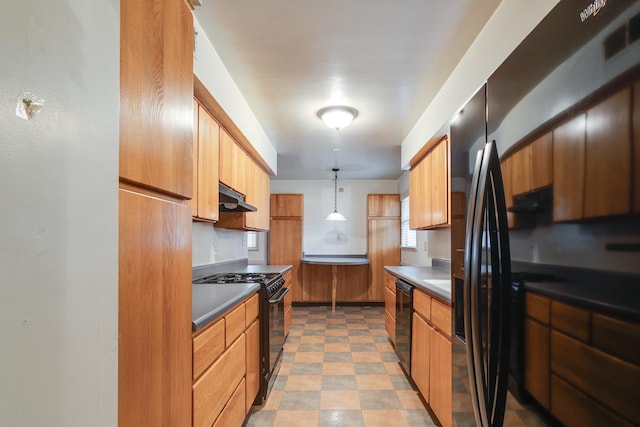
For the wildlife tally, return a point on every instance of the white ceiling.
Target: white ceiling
(385, 58)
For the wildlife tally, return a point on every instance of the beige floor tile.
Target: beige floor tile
(293, 418)
(339, 399)
(303, 382)
(273, 401)
(366, 356)
(384, 346)
(312, 339)
(285, 368)
(337, 347)
(336, 332)
(409, 399)
(308, 357)
(374, 382)
(360, 339)
(338, 368)
(385, 418)
(393, 368)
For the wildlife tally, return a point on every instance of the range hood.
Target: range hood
(534, 201)
(232, 201)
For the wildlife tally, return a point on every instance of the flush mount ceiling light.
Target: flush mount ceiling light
(338, 116)
(335, 215)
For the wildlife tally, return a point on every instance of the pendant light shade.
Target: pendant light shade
(335, 215)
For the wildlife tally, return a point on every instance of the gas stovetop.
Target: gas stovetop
(269, 281)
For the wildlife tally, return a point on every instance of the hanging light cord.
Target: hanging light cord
(335, 190)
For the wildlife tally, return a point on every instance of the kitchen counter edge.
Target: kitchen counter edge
(416, 275)
(212, 301)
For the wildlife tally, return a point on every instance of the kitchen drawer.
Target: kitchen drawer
(390, 282)
(252, 310)
(390, 302)
(618, 337)
(233, 414)
(214, 388)
(390, 326)
(573, 408)
(538, 307)
(422, 304)
(207, 346)
(570, 320)
(234, 324)
(441, 317)
(607, 379)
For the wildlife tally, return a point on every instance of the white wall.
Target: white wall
(508, 26)
(59, 214)
(212, 245)
(322, 237)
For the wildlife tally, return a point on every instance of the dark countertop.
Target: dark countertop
(419, 277)
(607, 292)
(335, 259)
(210, 301)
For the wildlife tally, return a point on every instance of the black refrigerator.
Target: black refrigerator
(579, 54)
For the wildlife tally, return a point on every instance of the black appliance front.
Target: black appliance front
(404, 312)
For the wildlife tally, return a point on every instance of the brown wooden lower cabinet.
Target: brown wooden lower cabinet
(420, 354)
(252, 355)
(440, 387)
(582, 365)
(234, 412)
(352, 284)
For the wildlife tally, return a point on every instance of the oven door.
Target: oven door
(276, 328)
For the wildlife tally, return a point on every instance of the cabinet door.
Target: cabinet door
(227, 148)
(568, 169)
(193, 203)
(542, 162)
(440, 387)
(521, 170)
(608, 157)
(439, 184)
(383, 248)
(285, 247)
(420, 354)
(258, 196)
(154, 306)
(208, 137)
(414, 198)
(156, 96)
(253, 363)
(383, 205)
(536, 361)
(287, 205)
(316, 282)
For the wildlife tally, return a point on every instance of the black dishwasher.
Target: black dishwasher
(404, 311)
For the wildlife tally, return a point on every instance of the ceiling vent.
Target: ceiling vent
(622, 37)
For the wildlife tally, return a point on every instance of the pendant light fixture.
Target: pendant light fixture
(335, 215)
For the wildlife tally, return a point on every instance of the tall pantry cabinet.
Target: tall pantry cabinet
(154, 302)
(383, 239)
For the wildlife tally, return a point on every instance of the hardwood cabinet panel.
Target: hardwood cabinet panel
(252, 308)
(214, 388)
(316, 282)
(156, 96)
(636, 146)
(618, 337)
(207, 346)
(569, 148)
(425, 194)
(353, 283)
(287, 205)
(390, 302)
(207, 166)
(234, 324)
(422, 304)
(390, 326)
(390, 282)
(154, 311)
(439, 184)
(420, 354)
(536, 363)
(383, 205)
(285, 248)
(233, 163)
(252, 356)
(607, 379)
(542, 162)
(414, 198)
(234, 412)
(383, 248)
(193, 203)
(521, 171)
(608, 157)
(538, 307)
(571, 320)
(573, 408)
(441, 317)
(440, 385)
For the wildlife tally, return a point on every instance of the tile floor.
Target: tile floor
(339, 369)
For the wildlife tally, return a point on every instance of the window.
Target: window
(252, 240)
(407, 235)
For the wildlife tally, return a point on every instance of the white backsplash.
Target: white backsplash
(213, 245)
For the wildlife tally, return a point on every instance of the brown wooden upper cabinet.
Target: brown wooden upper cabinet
(429, 187)
(383, 205)
(233, 163)
(568, 169)
(532, 166)
(206, 135)
(287, 206)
